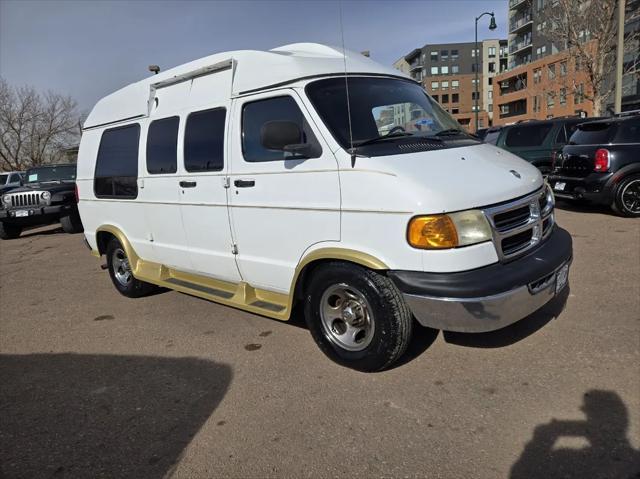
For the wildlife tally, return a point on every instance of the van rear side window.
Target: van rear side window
(204, 140)
(162, 145)
(117, 164)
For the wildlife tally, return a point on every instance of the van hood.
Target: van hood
(455, 179)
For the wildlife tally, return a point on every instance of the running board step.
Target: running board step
(198, 287)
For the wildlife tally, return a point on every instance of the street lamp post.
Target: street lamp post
(492, 26)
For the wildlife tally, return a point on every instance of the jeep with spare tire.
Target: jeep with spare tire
(47, 196)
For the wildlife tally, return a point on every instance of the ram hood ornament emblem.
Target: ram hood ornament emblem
(515, 173)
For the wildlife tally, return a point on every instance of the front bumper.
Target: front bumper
(34, 212)
(488, 298)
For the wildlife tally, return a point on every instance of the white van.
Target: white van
(266, 180)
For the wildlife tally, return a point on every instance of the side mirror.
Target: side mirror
(284, 136)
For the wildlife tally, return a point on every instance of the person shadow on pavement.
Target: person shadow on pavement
(608, 454)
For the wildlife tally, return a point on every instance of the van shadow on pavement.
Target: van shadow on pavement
(74, 415)
(606, 455)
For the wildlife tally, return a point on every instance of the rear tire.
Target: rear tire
(357, 317)
(121, 274)
(9, 231)
(71, 223)
(627, 198)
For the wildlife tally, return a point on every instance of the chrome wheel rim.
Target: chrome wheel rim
(346, 317)
(121, 267)
(631, 196)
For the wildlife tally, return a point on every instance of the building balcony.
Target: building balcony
(415, 66)
(517, 3)
(518, 46)
(516, 26)
(513, 109)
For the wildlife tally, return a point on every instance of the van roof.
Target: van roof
(252, 70)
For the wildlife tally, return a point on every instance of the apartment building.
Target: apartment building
(448, 73)
(541, 89)
(527, 24)
(631, 80)
(495, 53)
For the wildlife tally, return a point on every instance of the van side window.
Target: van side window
(282, 108)
(204, 140)
(162, 145)
(116, 173)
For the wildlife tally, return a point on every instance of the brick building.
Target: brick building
(541, 89)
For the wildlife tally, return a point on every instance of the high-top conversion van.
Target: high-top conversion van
(308, 176)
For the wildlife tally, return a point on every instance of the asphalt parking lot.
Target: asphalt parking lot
(93, 384)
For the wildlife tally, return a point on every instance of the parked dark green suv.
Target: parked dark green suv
(536, 140)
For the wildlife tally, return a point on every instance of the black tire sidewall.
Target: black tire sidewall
(9, 230)
(618, 206)
(71, 223)
(377, 355)
(135, 288)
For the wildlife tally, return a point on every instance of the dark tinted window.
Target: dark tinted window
(527, 135)
(162, 145)
(591, 134)
(204, 140)
(117, 164)
(565, 131)
(257, 113)
(15, 178)
(628, 132)
(492, 137)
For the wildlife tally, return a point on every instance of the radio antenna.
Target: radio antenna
(346, 86)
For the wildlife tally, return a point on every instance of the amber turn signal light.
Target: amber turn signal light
(432, 232)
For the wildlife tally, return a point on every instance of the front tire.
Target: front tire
(627, 198)
(121, 274)
(71, 223)
(357, 317)
(9, 231)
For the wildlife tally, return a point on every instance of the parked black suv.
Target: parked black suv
(48, 195)
(601, 164)
(536, 140)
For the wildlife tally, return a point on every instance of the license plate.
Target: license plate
(559, 186)
(561, 278)
(21, 213)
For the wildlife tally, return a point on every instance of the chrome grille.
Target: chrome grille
(520, 225)
(24, 199)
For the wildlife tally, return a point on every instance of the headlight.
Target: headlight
(46, 195)
(6, 200)
(449, 231)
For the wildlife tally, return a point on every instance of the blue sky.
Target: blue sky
(88, 49)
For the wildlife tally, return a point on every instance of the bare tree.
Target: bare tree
(35, 129)
(588, 28)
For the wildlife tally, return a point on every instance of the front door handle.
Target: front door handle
(188, 184)
(244, 183)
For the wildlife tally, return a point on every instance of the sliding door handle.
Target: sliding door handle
(244, 183)
(188, 184)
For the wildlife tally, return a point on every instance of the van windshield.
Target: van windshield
(381, 109)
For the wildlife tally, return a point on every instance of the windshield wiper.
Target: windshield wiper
(371, 141)
(450, 132)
